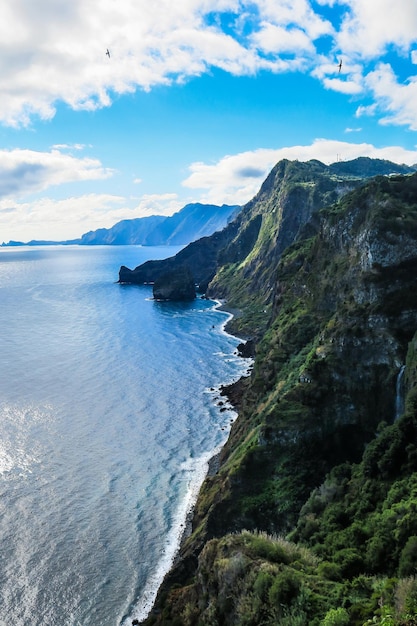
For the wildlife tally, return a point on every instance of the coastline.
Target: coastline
(170, 557)
(231, 391)
(208, 465)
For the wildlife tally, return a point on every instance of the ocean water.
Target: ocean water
(109, 413)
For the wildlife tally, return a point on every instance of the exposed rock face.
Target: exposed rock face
(245, 253)
(200, 257)
(326, 280)
(177, 284)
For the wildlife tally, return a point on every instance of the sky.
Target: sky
(195, 102)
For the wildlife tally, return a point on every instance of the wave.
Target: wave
(193, 473)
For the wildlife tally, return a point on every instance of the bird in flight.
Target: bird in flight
(340, 65)
(108, 53)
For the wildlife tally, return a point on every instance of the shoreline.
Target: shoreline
(170, 555)
(226, 390)
(209, 464)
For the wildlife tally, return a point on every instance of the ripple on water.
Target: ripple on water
(107, 423)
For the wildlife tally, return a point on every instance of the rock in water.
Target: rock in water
(176, 284)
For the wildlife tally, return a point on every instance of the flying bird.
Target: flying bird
(108, 53)
(340, 65)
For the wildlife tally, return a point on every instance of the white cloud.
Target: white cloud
(235, 179)
(349, 81)
(369, 30)
(66, 146)
(277, 39)
(366, 110)
(56, 51)
(348, 87)
(28, 171)
(370, 26)
(159, 204)
(288, 13)
(396, 101)
(57, 220)
(24, 173)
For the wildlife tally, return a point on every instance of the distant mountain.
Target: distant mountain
(126, 232)
(190, 223)
(38, 242)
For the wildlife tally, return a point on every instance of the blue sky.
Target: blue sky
(197, 102)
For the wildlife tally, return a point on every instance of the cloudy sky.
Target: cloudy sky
(196, 102)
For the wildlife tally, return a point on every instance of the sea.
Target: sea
(110, 411)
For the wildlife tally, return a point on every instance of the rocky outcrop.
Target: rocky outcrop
(199, 256)
(177, 284)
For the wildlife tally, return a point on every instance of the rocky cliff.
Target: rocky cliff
(242, 258)
(323, 265)
(177, 284)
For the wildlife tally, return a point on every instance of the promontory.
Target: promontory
(310, 517)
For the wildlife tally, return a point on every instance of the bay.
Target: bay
(109, 413)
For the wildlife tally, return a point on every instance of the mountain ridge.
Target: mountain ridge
(192, 222)
(314, 185)
(322, 267)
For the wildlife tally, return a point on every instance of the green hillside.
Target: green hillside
(311, 518)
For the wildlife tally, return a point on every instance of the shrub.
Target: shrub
(266, 547)
(376, 553)
(350, 561)
(262, 584)
(406, 596)
(328, 570)
(336, 617)
(285, 588)
(408, 559)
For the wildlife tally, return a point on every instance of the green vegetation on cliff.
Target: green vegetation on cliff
(323, 267)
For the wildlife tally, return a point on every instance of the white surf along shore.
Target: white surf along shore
(194, 473)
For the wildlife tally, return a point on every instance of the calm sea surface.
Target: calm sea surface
(108, 417)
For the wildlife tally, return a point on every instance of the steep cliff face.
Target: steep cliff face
(193, 222)
(200, 257)
(243, 257)
(339, 290)
(177, 285)
(291, 194)
(344, 308)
